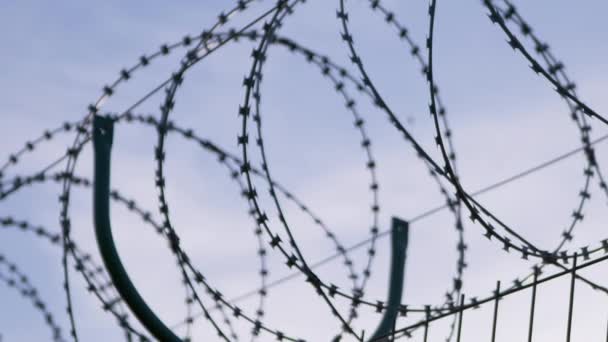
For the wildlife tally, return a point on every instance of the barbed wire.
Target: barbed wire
(104, 284)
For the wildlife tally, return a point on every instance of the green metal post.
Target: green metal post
(399, 238)
(103, 132)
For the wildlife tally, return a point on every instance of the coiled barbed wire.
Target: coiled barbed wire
(242, 171)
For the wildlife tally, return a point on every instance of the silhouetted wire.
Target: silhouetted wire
(515, 43)
(243, 172)
(422, 216)
(447, 172)
(476, 304)
(71, 163)
(14, 278)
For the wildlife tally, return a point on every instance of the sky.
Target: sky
(58, 56)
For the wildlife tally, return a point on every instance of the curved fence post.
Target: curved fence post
(103, 133)
(399, 239)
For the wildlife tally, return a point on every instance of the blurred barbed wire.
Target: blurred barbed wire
(352, 86)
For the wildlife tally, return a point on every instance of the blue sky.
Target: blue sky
(57, 57)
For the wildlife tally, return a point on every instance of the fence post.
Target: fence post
(427, 314)
(570, 307)
(495, 311)
(399, 239)
(103, 133)
(460, 317)
(533, 304)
